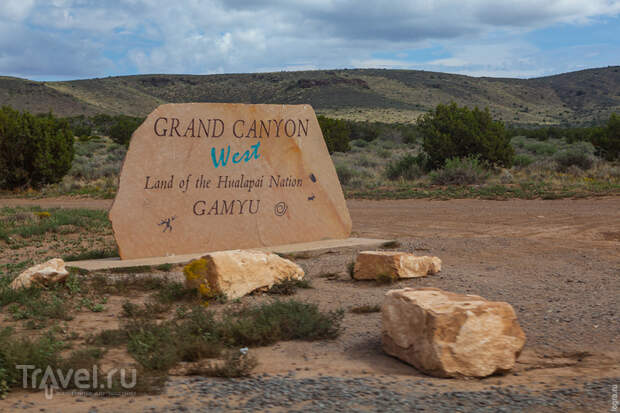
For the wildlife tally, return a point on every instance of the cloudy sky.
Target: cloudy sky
(71, 39)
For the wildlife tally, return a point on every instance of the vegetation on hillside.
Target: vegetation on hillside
(390, 96)
(605, 137)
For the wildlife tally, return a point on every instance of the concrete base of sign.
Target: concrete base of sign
(108, 263)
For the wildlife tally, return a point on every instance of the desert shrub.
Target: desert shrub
(351, 269)
(34, 150)
(460, 171)
(344, 174)
(109, 338)
(80, 126)
(407, 167)
(280, 320)
(121, 131)
(199, 334)
(336, 134)
(44, 307)
(450, 131)
(365, 131)
(39, 352)
(4, 384)
(608, 140)
(366, 162)
(580, 154)
(518, 141)
(153, 345)
(605, 138)
(288, 286)
(175, 291)
(88, 148)
(541, 148)
(359, 143)
(522, 160)
(383, 153)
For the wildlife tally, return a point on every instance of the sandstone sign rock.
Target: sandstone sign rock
(210, 176)
(371, 264)
(41, 275)
(449, 335)
(237, 273)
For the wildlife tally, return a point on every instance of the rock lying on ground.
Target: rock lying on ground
(450, 335)
(239, 272)
(42, 275)
(371, 264)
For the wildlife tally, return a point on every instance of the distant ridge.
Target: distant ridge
(360, 94)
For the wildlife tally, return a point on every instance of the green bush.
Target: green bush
(288, 286)
(159, 346)
(605, 138)
(365, 162)
(450, 131)
(344, 174)
(265, 324)
(34, 150)
(518, 141)
(4, 384)
(541, 148)
(460, 171)
(580, 154)
(363, 130)
(336, 133)
(39, 352)
(123, 128)
(608, 140)
(408, 167)
(522, 160)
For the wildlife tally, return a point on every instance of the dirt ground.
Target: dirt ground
(557, 262)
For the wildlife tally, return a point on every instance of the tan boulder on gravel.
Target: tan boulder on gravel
(239, 272)
(450, 335)
(42, 275)
(370, 264)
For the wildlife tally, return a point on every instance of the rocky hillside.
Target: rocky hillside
(359, 94)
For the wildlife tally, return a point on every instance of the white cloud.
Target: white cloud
(15, 10)
(193, 36)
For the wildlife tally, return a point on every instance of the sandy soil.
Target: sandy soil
(557, 262)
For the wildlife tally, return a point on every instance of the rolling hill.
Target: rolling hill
(359, 94)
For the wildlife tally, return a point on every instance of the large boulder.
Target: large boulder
(371, 264)
(41, 275)
(239, 272)
(450, 335)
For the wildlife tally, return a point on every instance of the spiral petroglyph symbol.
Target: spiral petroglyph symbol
(280, 208)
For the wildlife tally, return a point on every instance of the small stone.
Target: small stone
(42, 275)
(371, 264)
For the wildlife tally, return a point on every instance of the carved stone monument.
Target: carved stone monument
(202, 177)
